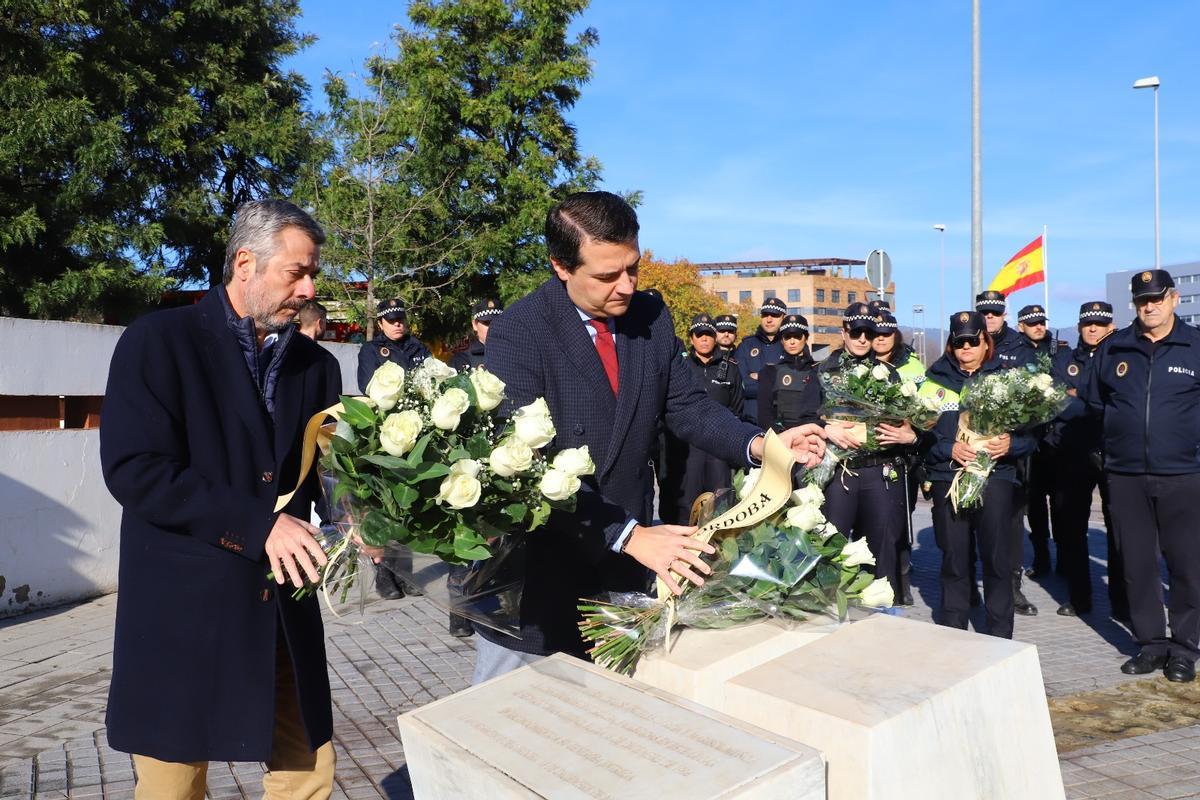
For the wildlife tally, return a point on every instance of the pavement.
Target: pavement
(397, 655)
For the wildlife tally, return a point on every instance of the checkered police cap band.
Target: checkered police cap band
(487, 313)
(1095, 315)
(853, 318)
(990, 305)
(387, 312)
(793, 325)
(885, 325)
(769, 307)
(726, 325)
(1032, 315)
(702, 327)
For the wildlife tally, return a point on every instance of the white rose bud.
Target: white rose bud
(879, 372)
(510, 457)
(448, 408)
(908, 389)
(749, 482)
(808, 495)
(878, 594)
(489, 389)
(459, 490)
(806, 517)
(859, 371)
(574, 461)
(857, 553)
(400, 432)
(558, 485)
(386, 385)
(532, 424)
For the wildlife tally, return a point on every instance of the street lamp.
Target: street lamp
(940, 228)
(1152, 83)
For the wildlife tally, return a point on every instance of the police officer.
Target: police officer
(391, 343)
(758, 350)
(870, 497)
(690, 470)
(789, 392)
(989, 525)
(1010, 349)
(726, 325)
(1145, 381)
(1075, 437)
(483, 314)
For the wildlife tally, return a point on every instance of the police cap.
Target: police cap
(794, 324)
(702, 325)
(858, 315)
(1097, 311)
(772, 306)
(726, 322)
(878, 305)
(1032, 315)
(884, 323)
(966, 323)
(991, 300)
(1151, 283)
(391, 310)
(486, 310)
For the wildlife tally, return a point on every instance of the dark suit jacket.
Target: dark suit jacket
(191, 453)
(540, 348)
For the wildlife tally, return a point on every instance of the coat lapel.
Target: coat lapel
(227, 366)
(577, 344)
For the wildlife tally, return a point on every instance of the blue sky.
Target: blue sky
(797, 130)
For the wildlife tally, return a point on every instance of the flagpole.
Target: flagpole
(1045, 272)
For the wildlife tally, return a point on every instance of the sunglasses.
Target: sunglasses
(992, 313)
(862, 333)
(960, 342)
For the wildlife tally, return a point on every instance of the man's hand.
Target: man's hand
(291, 547)
(998, 446)
(373, 553)
(963, 453)
(807, 443)
(895, 434)
(838, 432)
(667, 549)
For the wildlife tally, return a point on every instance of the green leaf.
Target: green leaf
(417, 454)
(385, 461)
(405, 495)
(358, 414)
(515, 511)
(540, 515)
(430, 470)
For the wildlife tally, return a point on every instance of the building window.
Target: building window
(820, 295)
(794, 310)
(837, 296)
(851, 297)
(724, 296)
(744, 296)
(768, 294)
(793, 295)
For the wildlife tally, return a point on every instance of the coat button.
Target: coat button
(266, 595)
(579, 430)
(268, 477)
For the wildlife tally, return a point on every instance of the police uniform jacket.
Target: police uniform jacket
(407, 351)
(1074, 430)
(196, 450)
(790, 393)
(753, 354)
(471, 357)
(1011, 348)
(1148, 395)
(909, 366)
(540, 348)
(944, 382)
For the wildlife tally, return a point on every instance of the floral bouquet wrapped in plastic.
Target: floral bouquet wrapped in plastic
(787, 565)
(424, 467)
(1009, 401)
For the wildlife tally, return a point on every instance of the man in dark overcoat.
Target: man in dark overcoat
(201, 432)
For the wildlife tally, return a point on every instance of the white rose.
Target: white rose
(466, 466)
(386, 385)
(448, 408)
(459, 490)
(574, 461)
(1048, 392)
(436, 369)
(878, 594)
(400, 432)
(859, 371)
(827, 530)
(808, 495)
(857, 553)
(510, 457)
(489, 389)
(558, 485)
(1043, 381)
(749, 482)
(532, 424)
(879, 372)
(908, 389)
(806, 517)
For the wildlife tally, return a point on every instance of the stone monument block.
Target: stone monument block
(701, 662)
(565, 729)
(901, 708)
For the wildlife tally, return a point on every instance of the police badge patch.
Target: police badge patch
(1146, 277)
(1073, 370)
(1122, 368)
(963, 317)
(787, 380)
(754, 352)
(383, 351)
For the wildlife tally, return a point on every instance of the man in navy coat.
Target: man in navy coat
(201, 430)
(605, 358)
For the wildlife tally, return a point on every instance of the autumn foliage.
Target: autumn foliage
(685, 295)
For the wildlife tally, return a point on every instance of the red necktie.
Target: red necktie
(607, 350)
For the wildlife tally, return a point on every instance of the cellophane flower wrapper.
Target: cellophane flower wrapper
(772, 571)
(867, 394)
(1010, 401)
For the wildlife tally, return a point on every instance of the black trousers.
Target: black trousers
(990, 528)
(1070, 510)
(1039, 495)
(1153, 514)
(866, 503)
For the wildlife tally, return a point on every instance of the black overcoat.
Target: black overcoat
(196, 461)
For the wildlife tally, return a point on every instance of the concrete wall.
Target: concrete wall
(59, 527)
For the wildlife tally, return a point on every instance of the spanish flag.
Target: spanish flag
(1026, 268)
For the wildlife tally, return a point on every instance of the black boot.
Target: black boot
(1020, 604)
(906, 598)
(460, 627)
(386, 584)
(1041, 559)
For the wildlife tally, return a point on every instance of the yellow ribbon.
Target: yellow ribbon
(976, 442)
(314, 436)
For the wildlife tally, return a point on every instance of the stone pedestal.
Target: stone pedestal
(701, 662)
(908, 709)
(568, 730)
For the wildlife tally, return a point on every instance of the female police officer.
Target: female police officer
(789, 392)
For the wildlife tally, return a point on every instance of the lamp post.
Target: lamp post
(1152, 83)
(940, 228)
(976, 159)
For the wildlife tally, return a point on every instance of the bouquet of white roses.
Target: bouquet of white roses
(423, 464)
(1009, 401)
(793, 566)
(868, 395)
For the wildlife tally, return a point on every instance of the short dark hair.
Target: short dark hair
(599, 216)
(311, 312)
(256, 223)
